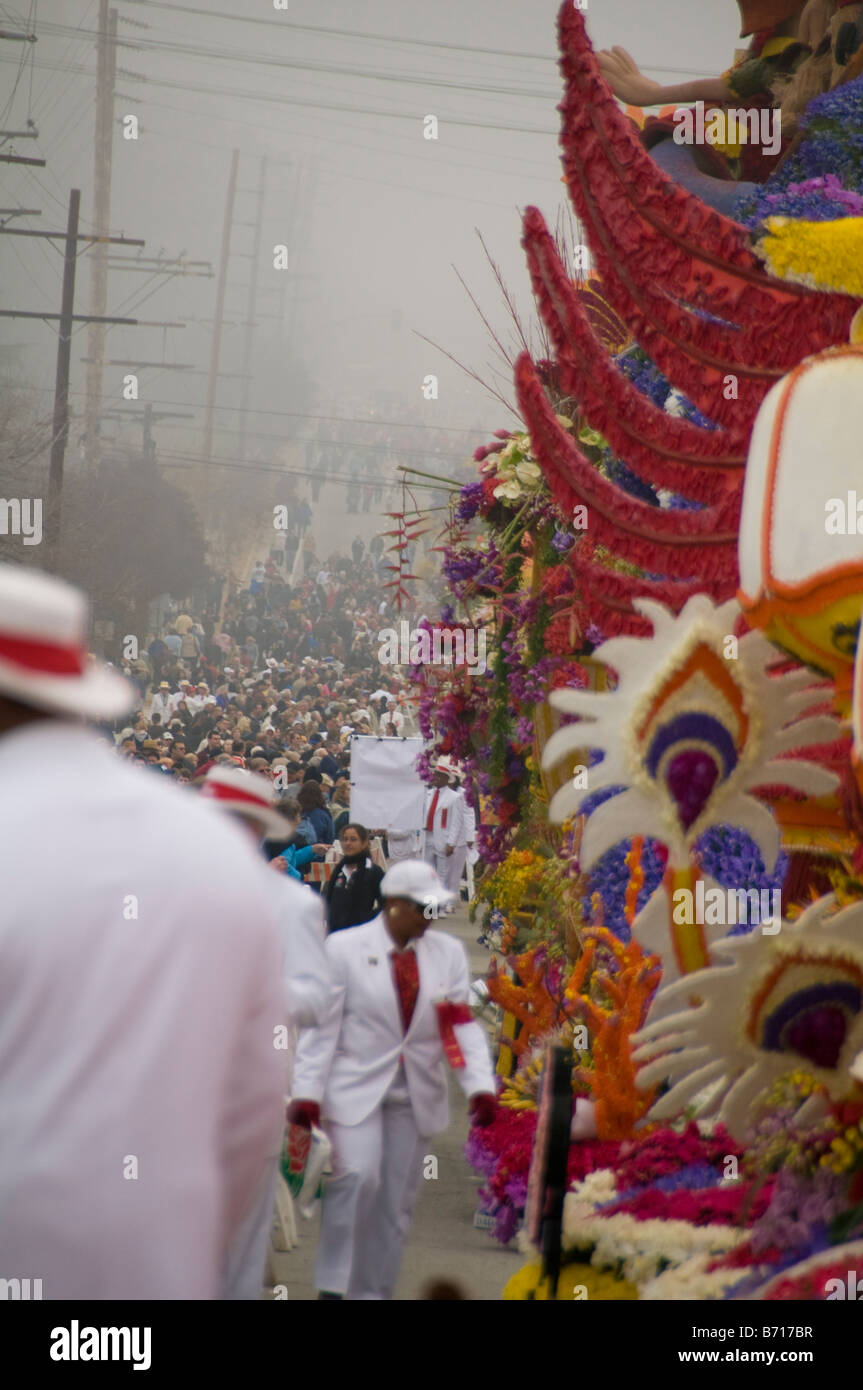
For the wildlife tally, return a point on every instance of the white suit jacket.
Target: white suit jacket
(449, 814)
(349, 1063)
(140, 990)
(467, 822)
(306, 968)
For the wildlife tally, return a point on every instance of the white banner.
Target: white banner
(386, 790)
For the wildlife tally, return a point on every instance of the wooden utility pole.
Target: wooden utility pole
(67, 317)
(106, 63)
(216, 350)
(60, 428)
(251, 308)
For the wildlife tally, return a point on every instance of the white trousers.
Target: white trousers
(437, 858)
(453, 868)
(247, 1257)
(368, 1203)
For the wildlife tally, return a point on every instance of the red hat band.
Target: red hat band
(43, 658)
(219, 792)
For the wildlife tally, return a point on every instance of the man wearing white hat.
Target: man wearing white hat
(307, 981)
(466, 833)
(139, 990)
(375, 1070)
(162, 702)
(442, 817)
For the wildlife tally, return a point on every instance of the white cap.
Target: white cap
(416, 880)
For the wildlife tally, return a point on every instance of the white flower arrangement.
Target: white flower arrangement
(515, 472)
(692, 1282)
(642, 1248)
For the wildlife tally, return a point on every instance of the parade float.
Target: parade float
(665, 746)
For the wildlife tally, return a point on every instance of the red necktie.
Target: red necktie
(407, 982)
(432, 809)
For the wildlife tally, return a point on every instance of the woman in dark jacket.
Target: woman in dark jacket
(353, 893)
(313, 807)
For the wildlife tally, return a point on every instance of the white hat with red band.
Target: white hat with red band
(43, 649)
(447, 767)
(246, 794)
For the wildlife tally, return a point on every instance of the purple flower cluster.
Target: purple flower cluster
(732, 857)
(800, 1213)
(830, 154)
(820, 199)
(471, 500)
(610, 879)
(462, 566)
(562, 541)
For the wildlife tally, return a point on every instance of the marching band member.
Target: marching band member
(375, 1070)
(306, 980)
(442, 817)
(139, 989)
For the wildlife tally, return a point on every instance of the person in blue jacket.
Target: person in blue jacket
(297, 854)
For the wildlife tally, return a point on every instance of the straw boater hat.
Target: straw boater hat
(448, 768)
(43, 653)
(247, 794)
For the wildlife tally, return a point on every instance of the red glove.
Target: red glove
(483, 1109)
(304, 1112)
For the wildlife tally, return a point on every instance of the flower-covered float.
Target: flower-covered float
(664, 749)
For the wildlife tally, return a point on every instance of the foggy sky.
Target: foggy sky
(374, 216)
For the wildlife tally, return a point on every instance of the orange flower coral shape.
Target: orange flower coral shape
(620, 1105)
(536, 1009)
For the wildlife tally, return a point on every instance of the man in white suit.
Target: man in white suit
(442, 818)
(307, 982)
(140, 990)
(375, 1070)
(465, 822)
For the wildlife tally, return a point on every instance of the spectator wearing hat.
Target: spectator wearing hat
(162, 702)
(374, 1074)
(130, 997)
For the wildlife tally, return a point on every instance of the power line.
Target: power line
(304, 415)
(382, 38)
(236, 57)
(279, 99)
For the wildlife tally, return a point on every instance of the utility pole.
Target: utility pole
(215, 353)
(60, 428)
(251, 307)
(106, 64)
(67, 317)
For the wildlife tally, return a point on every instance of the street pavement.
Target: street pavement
(443, 1243)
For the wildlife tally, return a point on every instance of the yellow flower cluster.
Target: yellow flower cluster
(844, 1151)
(523, 1089)
(509, 885)
(576, 1281)
(823, 255)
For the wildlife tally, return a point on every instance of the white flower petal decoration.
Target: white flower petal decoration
(779, 1002)
(695, 724)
